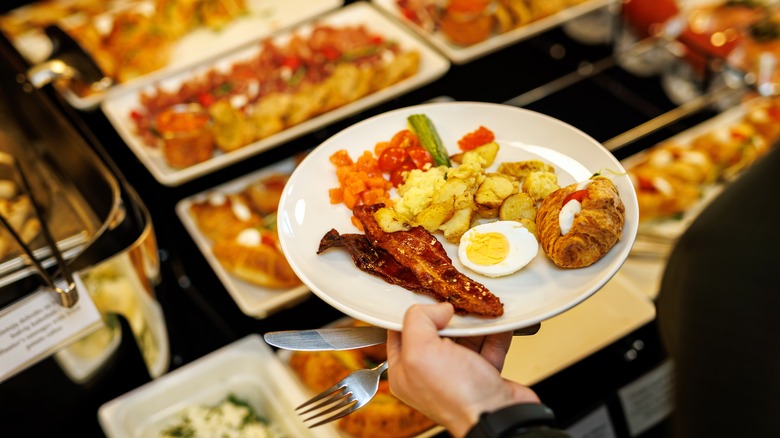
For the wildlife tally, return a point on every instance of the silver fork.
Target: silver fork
(343, 398)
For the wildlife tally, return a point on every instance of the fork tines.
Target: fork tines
(337, 400)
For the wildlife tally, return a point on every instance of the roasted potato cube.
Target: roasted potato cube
(390, 221)
(434, 215)
(494, 189)
(485, 155)
(540, 184)
(531, 225)
(459, 223)
(521, 169)
(456, 191)
(518, 206)
(486, 212)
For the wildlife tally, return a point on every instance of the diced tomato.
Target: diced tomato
(397, 175)
(136, 115)
(405, 138)
(476, 138)
(377, 39)
(774, 112)
(420, 156)
(578, 195)
(331, 53)
(739, 136)
(292, 62)
(644, 184)
(392, 158)
(206, 99)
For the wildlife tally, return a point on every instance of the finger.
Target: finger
(422, 323)
(473, 343)
(393, 346)
(495, 348)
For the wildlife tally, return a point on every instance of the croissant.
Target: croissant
(595, 229)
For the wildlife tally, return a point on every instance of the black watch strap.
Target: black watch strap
(511, 419)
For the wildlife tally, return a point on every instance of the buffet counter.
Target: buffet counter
(578, 362)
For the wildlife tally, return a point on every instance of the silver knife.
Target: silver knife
(343, 338)
(340, 338)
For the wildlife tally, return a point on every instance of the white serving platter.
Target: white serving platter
(255, 301)
(264, 18)
(432, 66)
(246, 368)
(463, 54)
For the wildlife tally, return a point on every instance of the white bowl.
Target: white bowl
(247, 368)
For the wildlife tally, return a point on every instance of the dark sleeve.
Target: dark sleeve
(719, 311)
(541, 432)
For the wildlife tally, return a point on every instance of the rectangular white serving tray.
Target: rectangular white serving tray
(463, 54)
(117, 108)
(246, 368)
(255, 301)
(264, 18)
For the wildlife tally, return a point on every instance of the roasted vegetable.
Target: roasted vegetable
(429, 138)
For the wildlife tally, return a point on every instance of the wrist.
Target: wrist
(512, 419)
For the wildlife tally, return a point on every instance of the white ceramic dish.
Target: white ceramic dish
(264, 18)
(463, 54)
(255, 301)
(537, 292)
(246, 368)
(432, 66)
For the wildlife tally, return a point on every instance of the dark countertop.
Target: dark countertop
(202, 317)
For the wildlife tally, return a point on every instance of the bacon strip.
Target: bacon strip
(419, 251)
(373, 260)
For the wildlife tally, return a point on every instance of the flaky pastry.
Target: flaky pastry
(595, 229)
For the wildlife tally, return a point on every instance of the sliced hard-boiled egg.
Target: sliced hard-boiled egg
(498, 248)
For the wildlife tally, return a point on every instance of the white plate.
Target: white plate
(118, 108)
(246, 368)
(537, 292)
(463, 54)
(264, 18)
(254, 300)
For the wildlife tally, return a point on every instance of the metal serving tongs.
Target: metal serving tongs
(67, 292)
(68, 60)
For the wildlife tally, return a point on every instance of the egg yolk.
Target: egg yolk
(487, 249)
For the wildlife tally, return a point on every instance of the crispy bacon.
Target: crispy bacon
(373, 260)
(421, 253)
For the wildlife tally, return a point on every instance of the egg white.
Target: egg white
(523, 247)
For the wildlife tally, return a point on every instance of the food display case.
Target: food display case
(173, 306)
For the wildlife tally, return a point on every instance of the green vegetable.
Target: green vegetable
(429, 138)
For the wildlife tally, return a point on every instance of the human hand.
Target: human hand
(452, 381)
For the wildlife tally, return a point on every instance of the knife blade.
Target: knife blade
(344, 338)
(338, 338)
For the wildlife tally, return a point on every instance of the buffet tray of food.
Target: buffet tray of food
(235, 106)
(234, 226)
(241, 389)
(383, 416)
(135, 42)
(677, 178)
(465, 30)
